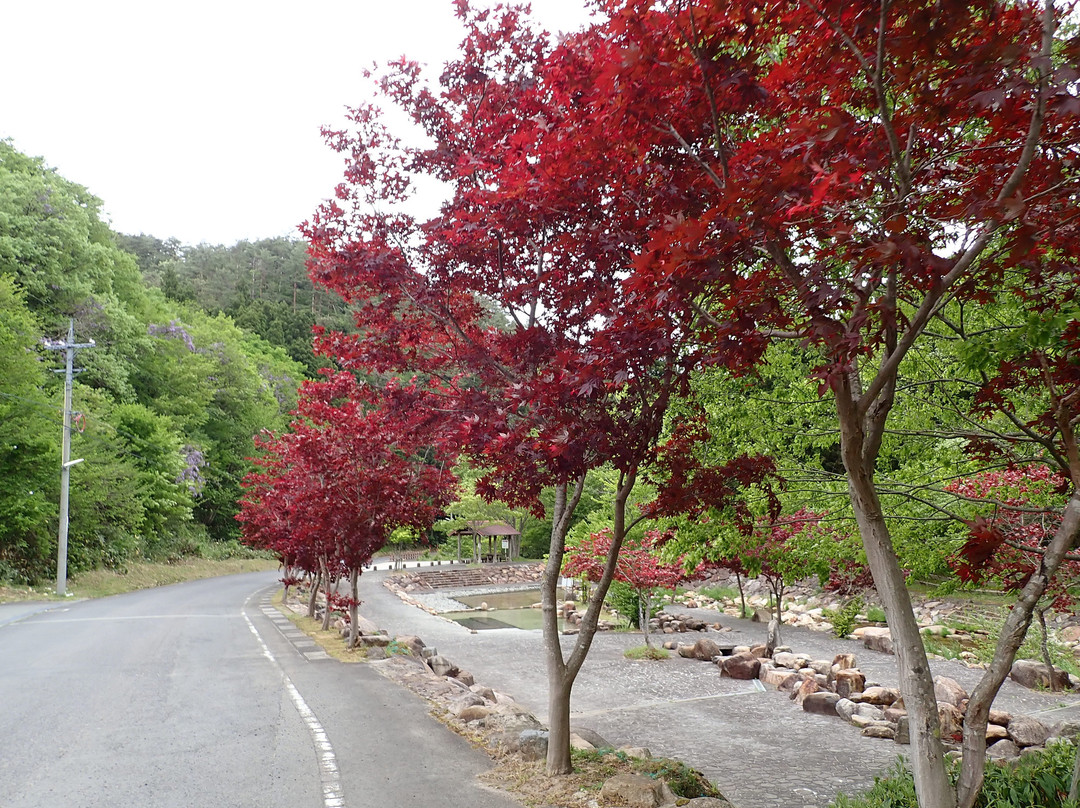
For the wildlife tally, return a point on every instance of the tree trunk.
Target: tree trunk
(916, 681)
(1044, 646)
(742, 595)
(1012, 635)
(644, 611)
(559, 684)
(354, 606)
(316, 582)
(562, 671)
(325, 572)
(860, 443)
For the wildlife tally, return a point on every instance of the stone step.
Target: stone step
(459, 577)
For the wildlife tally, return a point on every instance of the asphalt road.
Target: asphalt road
(190, 695)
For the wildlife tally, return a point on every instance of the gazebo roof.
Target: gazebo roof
(489, 529)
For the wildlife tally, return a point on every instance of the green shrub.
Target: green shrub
(893, 790)
(1038, 780)
(684, 781)
(875, 614)
(1035, 781)
(843, 619)
(623, 599)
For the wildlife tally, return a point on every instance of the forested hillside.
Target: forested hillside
(185, 369)
(262, 286)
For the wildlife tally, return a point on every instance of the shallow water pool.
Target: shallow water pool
(505, 610)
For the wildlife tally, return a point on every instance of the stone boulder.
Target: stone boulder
(592, 736)
(1000, 717)
(474, 713)
(740, 666)
(821, 703)
(790, 683)
(903, 730)
(579, 743)
(413, 643)
(951, 721)
(843, 661)
(878, 639)
(848, 680)
(895, 711)
(883, 696)
(533, 743)
(1065, 729)
(808, 687)
(949, 691)
(995, 732)
(1003, 750)
(1032, 674)
(871, 712)
(469, 699)
(441, 666)
(880, 729)
(772, 675)
(1027, 731)
(483, 692)
(785, 659)
(845, 708)
(705, 649)
(374, 640)
(636, 791)
(366, 627)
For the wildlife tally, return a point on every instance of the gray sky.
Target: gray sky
(200, 119)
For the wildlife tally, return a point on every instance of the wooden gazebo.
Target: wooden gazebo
(491, 541)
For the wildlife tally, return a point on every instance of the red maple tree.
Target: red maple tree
(840, 174)
(356, 465)
(639, 566)
(513, 296)
(679, 184)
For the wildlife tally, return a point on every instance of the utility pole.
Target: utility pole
(68, 347)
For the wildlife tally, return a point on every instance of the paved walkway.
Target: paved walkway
(761, 749)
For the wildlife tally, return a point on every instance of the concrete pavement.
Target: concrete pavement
(190, 695)
(759, 747)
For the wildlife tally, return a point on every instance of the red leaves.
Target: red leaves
(1006, 545)
(356, 465)
(638, 565)
(687, 485)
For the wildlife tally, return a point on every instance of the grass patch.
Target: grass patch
(529, 783)
(646, 652)
(719, 592)
(330, 640)
(138, 575)
(985, 630)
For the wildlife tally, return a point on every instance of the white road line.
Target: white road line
(122, 618)
(333, 796)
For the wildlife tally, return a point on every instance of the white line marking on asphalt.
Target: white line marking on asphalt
(333, 796)
(122, 618)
